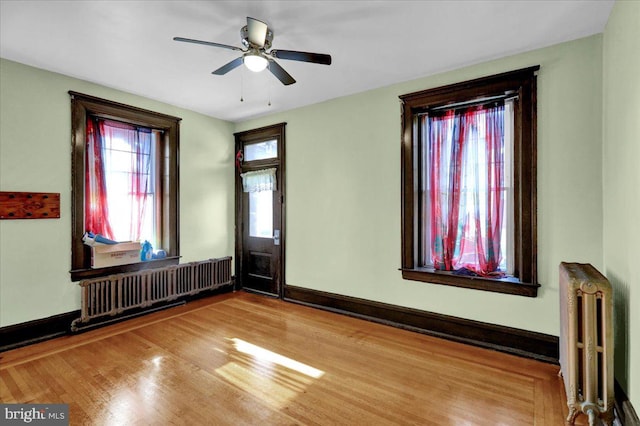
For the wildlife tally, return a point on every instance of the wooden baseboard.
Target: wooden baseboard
(542, 347)
(27, 333)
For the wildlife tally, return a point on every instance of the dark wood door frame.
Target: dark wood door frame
(275, 131)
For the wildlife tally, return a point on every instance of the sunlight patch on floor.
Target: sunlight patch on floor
(266, 355)
(274, 378)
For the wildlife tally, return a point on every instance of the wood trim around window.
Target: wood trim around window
(85, 105)
(523, 84)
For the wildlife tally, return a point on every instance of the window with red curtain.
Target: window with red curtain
(125, 180)
(467, 189)
(469, 184)
(120, 180)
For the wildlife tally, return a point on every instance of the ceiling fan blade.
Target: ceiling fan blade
(316, 58)
(228, 67)
(206, 43)
(280, 73)
(257, 31)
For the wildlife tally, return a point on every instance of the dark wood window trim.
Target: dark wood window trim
(84, 105)
(523, 84)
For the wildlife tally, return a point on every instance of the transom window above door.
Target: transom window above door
(261, 150)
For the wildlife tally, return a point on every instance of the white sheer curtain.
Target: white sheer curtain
(260, 180)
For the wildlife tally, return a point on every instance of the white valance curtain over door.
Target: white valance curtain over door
(260, 180)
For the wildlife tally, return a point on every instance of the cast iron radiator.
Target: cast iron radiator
(113, 295)
(586, 342)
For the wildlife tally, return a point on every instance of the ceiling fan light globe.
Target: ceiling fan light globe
(255, 63)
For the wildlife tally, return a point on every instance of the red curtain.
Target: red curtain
(489, 233)
(120, 169)
(465, 189)
(96, 208)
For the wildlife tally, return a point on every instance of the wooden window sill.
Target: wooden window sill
(510, 285)
(81, 274)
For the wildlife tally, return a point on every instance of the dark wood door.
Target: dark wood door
(262, 241)
(259, 210)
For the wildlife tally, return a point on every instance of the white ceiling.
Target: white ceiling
(127, 45)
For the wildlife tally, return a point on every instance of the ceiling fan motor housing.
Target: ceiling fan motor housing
(244, 35)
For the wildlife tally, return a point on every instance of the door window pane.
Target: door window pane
(261, 214)
(261, 151)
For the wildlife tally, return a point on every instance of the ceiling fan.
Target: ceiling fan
(256, 38)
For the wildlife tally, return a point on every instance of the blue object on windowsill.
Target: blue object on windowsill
(146, 253)
(159, 254)
(90, 239)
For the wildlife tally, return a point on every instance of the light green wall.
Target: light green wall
(621, 107)
(343, 160)
(343, 193)
(343, 190)
(35, 155)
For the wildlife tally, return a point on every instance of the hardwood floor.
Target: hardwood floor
(242, 359)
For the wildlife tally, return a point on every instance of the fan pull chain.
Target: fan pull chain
(242, 85)
(269, 86)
